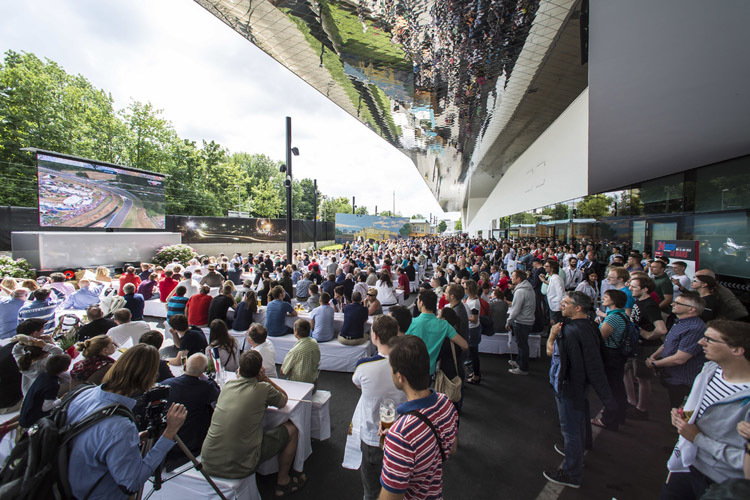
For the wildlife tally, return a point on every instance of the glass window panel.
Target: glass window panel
(663, 231)
(724, 242)
(639, 235)
(724, 186)
(662, 196)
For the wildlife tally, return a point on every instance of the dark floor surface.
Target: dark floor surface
(507, 431)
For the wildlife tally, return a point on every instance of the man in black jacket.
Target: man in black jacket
(574, 347)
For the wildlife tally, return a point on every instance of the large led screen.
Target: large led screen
(83, 193)
(350, 227)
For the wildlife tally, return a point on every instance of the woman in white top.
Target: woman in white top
(386, 292)
(257, 340)
(226, 345)
(590, 286)
(473, 306)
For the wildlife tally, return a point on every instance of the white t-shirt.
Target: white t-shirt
(373, 375)
(268, 353)
(132, 330)
(473, 304)
(684, 282)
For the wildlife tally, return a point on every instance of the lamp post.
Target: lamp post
(315, 214)
(290, 151)
(722, 198)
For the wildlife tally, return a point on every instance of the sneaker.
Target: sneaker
(512, 363)
(517, 371)
(558, 476)
(559, 449)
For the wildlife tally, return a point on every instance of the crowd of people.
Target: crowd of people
(614, 319)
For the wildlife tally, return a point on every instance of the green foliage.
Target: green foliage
(522, 218)
(166, 254)
(405, 230)
(332, 247)
(265, 201)
(388, 213)
(457, 226)
(361, 211)
(418, 216)
(594, 206)
(18, 268)
(558, 212)
(332, 206)
(442, 226)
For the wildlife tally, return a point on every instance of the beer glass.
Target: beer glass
(387, 417)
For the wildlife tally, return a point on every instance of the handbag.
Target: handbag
(449, 387)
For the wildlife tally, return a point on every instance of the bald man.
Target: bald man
(198, 394)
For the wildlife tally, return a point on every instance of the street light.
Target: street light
(722, 197)
(290, 151)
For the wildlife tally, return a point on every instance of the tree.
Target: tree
(304, 199)
(388, 213)
(332, 206)
(405, 230)
(418, 216)
(361, 211)
(265, 201)
(594, 206)
(442, 226)
(558, 212)
(457, 226)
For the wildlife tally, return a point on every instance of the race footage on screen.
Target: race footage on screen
(83, 193)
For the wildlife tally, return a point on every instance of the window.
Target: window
(660, 196)
(724, 242)
(723, 186)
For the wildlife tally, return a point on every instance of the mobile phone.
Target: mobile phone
(474, 312)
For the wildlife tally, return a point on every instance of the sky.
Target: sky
(212, 84)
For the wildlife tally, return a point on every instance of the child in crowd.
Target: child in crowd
(42, 395)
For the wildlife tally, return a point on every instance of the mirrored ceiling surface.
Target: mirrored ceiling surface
(452, 84)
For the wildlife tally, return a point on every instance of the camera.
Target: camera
(151, 407)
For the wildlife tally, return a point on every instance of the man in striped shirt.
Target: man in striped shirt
(709, 449)
(414, 450)
(43, 307)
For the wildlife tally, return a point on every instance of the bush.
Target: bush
(18, 268)
(165, 255)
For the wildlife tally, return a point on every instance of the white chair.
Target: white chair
(192, 484)
(320, 417)
(413, 286)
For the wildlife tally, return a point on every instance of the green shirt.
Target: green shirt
(302, 360)
(433, 332)
(664, 286)
(232, 445)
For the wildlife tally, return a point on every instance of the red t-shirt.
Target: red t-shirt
(197, 307)
(403, 282)
(129, 278)
(165, 288)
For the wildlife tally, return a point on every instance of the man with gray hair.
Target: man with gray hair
(198, 394)
(86, 295)
(576, 363)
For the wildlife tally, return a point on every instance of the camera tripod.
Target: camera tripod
(155, 415)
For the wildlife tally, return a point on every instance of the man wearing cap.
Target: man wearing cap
(212, 278)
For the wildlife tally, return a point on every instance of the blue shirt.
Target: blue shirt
(109, 448)
(9, 316)
(40, 309)
(554, 369)
(135, 303)
(355, 317)
(323, 317)
(176, 305)
(684, 336)
(83, 298)
(276, 312)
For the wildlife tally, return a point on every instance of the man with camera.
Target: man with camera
(105, 459)
(236, 443)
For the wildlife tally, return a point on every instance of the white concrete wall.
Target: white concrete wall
(553, 169)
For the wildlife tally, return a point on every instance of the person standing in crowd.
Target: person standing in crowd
(576, 364)
(431, 330)
(709, 449)
(521, 320)
(105, 460)
(373, 377)
(415, 451)
(680, 358)
(706, 287)
(647, 317)
(662, 285)
(729, 306)
(555, 289)
(573, 275)
(613, 329)
(302, 360)
(473, 307)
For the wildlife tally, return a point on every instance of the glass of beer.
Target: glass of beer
(387, 417)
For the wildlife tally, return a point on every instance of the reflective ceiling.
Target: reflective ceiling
(462, 88)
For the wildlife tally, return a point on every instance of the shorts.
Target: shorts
(641, 370)
(273, 442)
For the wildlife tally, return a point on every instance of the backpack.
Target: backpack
(630, 341)
(37, 466)
(485, 320)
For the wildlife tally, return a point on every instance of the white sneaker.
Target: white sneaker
(512, 363)
(517, 371)
(559, 450)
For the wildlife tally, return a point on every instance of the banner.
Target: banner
(350, 227)
(679, 250)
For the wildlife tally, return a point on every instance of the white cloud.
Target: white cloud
(215, 85)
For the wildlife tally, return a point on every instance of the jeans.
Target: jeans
(522, 340)
(572, 426)
(475, 337)
(370, 469)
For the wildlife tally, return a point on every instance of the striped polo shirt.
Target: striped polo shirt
(411, 459)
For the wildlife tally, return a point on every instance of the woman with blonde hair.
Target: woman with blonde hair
(102, 275)
(96, 360)
(7, 286)
(30, 285)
